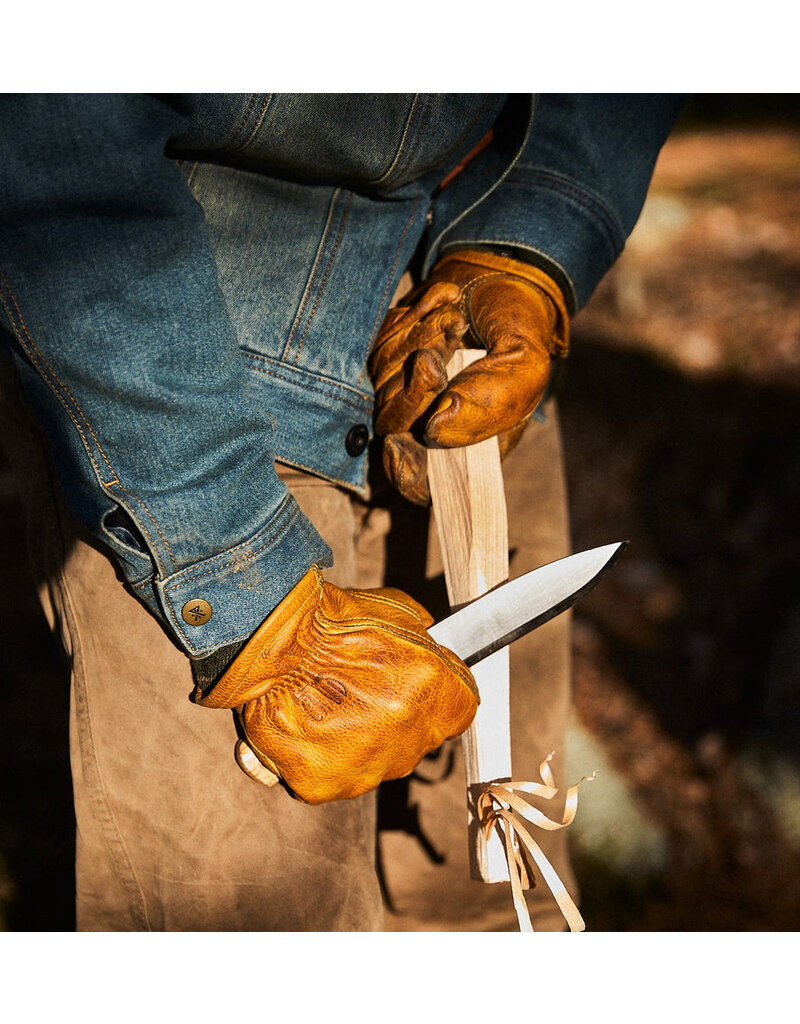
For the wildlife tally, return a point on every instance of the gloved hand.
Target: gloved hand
(471, 299)
(338, 690)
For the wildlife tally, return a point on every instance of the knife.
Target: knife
(498, 617)
(518, 606)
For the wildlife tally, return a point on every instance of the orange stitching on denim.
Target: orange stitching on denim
(406, 130)
(314, 271)
(378, 317)
(168, 591)
(244, 559)
(191, 173)
(304, 301)
(339, 481)
(309, 387)
(261, 114)
(418, 136)
(582, 197)
(321, 288)
(45, 368)
(247, 113)
(152, 519)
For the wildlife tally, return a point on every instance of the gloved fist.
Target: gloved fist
(471, 299)
(338, 690)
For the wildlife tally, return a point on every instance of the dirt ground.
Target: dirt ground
(680, 413)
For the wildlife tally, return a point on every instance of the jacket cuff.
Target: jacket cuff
(567, 231)
(223, 599)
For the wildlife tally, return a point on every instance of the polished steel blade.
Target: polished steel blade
(514, 608)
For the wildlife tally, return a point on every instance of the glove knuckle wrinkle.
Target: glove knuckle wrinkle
(366, 695)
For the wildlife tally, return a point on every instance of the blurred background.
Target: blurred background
(681, 419)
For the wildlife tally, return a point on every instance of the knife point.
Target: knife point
(530, 601)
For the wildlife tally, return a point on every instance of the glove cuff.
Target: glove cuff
(276, 636)
(489, 261)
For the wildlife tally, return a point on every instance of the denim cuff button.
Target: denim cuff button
(357, 439)
(196, 612)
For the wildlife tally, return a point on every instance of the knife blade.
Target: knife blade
(518, 606)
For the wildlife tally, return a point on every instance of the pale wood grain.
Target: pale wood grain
(469, 509)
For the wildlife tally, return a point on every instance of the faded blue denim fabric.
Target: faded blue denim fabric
(191, 285)
(575, 192)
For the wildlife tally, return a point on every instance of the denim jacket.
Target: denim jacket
(190, 286)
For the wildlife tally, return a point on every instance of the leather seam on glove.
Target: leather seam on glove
(529, 273)
(552, 346)
(380, 599)
(353, 625)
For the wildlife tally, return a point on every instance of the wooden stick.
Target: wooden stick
(469, 508)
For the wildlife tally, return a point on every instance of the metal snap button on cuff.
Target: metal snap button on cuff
(357, 439)
(196, 612)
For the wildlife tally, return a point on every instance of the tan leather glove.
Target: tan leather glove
(471, 299)
(338, 690)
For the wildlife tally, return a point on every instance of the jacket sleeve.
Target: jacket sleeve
(574, 194)
(110, 304)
